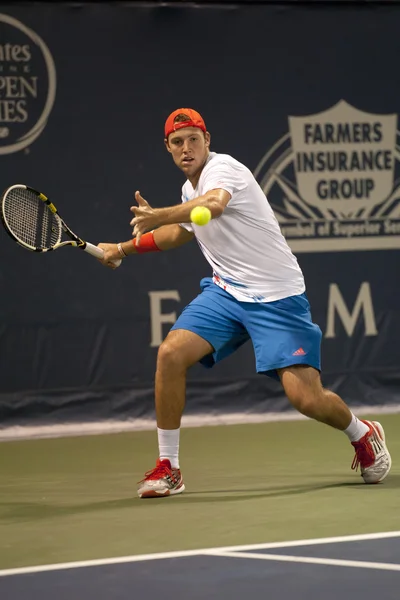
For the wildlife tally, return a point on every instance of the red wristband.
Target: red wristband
(147, 244)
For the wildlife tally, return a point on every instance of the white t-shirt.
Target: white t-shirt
(249, 255)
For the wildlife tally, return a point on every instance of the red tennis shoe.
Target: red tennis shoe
(161, 481)
(372, 454)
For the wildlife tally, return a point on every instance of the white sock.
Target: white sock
(168, 444)
(356, 430)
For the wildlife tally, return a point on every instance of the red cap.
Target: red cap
(196, 120)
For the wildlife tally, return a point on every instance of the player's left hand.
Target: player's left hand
(145, 217)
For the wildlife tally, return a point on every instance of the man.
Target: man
(257, 292)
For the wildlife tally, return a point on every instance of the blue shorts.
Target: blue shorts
(282, 332)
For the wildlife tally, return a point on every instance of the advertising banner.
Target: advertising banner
(304, 96)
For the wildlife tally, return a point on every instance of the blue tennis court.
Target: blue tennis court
(356, 567)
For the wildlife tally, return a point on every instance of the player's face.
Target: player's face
(189, 148)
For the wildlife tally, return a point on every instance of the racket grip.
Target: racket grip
(98, 253)
(94, 250)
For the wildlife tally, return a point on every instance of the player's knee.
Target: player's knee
(170, 356)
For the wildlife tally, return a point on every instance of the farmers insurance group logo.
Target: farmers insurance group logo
(27, 85)
(332, 181)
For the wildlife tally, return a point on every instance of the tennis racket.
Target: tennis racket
(33, 222)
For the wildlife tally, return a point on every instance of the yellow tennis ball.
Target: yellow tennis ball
(200, 215)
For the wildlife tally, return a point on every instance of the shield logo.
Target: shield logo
(344, 159)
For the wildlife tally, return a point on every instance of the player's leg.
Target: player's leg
(294, 354)
(303, 387)
(180, 350)
(206, 331)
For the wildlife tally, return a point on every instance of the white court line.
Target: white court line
(309, 560)
(199, 552)
(312, 542)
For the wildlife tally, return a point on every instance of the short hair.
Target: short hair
(181, 118)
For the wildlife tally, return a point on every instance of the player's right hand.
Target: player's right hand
(112, 257)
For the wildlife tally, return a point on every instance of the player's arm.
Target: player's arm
(164, 238)
(148, 218)
(214, 200)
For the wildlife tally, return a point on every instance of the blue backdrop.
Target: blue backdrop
(305, 96)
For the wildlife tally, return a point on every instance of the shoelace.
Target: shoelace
(158, 472)
(364, 455)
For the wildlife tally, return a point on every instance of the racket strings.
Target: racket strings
(30, 219)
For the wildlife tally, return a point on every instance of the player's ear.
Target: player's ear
(207, 138)
(167, 145)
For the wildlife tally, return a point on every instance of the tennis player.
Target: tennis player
(256, 292)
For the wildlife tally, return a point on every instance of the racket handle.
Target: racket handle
(98, 253)
(94, 250)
